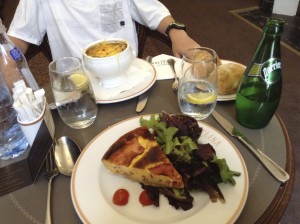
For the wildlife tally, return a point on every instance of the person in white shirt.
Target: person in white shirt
(72, 24)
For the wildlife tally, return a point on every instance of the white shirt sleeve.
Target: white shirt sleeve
(149, 13)
(91, 19)
(28, 23)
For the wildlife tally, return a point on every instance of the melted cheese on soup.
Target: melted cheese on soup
(106, 49)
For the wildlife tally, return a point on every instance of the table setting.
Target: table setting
(147, 88)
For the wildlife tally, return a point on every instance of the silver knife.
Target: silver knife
(269, 164)
(143, 98)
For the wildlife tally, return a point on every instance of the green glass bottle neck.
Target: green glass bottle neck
(274, 26)
(269, 47)
(273, 30)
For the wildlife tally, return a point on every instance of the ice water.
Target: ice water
(76, 108)
(197, 107)
(73, 95)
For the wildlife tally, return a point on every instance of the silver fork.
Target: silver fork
(52, 172)
(171, 62)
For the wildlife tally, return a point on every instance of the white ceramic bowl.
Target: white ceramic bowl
(110, 70)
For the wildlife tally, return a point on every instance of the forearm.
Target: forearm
(179, 38)
(20, 44)
(164, 24)
(173, 33)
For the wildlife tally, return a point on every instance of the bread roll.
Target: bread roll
(229, 78)
(204, 70)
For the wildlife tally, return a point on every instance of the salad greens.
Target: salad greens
(197, 163)
(225, 173)
(165, 136)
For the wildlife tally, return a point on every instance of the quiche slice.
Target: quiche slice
(138, 157)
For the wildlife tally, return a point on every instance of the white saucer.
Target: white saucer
(229, 96)
(226, 97)
(138, 65)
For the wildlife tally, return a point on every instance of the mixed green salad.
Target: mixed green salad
(197, 163)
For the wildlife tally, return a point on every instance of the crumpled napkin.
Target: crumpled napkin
(135, 76)
(163, 69)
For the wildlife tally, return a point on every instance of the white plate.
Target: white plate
(147, 83)
(93, 186)
(226, 97)
(229, 96)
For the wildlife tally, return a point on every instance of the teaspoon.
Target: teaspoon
(66, 153)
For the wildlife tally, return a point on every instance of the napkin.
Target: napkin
(134, 75)
(163, 69)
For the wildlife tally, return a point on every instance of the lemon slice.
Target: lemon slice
(80, 81)
(201, 98)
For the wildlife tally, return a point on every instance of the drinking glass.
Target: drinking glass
(72, 92)
(197, 90)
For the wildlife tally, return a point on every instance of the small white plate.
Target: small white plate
(226, 97)
(93, 186)
(229, 96)
(141, 87)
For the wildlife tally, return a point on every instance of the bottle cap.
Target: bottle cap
(274, 26)
(276, 21)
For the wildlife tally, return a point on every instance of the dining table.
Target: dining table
(267, 198)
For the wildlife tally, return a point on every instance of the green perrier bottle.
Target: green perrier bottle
(259, 93)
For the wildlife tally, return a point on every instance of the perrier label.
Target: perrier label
(269, 71)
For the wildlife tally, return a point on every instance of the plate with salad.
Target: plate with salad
(93, 186)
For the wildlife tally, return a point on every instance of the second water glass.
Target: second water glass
(197, 91)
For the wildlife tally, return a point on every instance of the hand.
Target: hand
(181, 42)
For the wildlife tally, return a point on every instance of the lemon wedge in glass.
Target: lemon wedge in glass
(80, 81)
(201, 98)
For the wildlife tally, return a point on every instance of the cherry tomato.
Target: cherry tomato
(121, 197)
(144, 198)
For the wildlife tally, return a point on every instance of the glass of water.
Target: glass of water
(72, 92)
(197, 90)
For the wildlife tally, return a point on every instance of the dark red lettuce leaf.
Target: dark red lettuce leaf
(187, 126)
(204, 152)
(185, 203)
